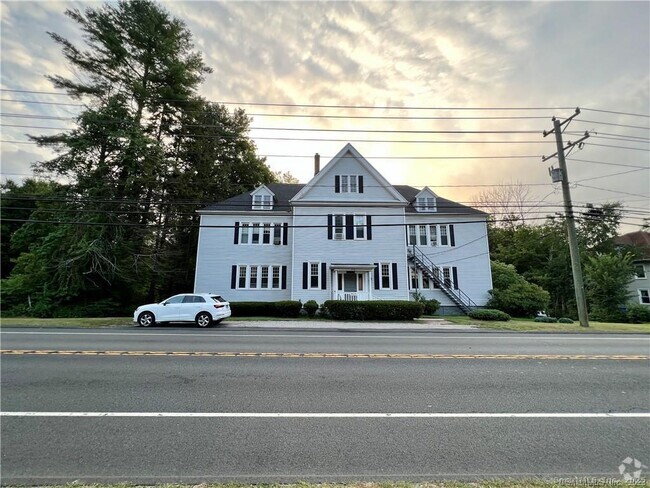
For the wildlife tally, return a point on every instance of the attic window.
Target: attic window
(426, 204)
(262, 202)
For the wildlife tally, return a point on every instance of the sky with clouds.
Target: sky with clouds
(422, 60)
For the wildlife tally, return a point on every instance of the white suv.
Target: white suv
(204, 309)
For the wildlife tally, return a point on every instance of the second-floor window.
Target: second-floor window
(267, 233)
(355, 227)
(435, 235)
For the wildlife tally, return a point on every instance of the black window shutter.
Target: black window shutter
(337, 184)
(395, 282)
(349, 227)
(376, 276)
(369, 227)
(360, 183)
(305, 276)
(284, 277)
(236, 233)
(323, 278)
(233, 277)
(285, 228)
(452, 238)
(329, 226)
(454, 272)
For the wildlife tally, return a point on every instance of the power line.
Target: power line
(606, 163)
(617, 147)
(615, 112)
(613, 174)
(613, 191)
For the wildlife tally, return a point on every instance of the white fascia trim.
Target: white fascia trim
(364, 163)
(260, 188)
(256, 213)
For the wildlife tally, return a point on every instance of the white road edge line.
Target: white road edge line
(481, 337)
(470, 415)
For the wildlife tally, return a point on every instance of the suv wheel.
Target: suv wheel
(145, 319)
(203, 319)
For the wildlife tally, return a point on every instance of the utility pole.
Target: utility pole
(576, 266)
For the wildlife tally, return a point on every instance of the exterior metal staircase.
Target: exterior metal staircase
(423, 263)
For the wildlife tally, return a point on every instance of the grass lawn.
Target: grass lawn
(528, 325)
(87, 323)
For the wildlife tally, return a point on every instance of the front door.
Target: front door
(351, 285)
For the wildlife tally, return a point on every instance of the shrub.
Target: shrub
(638, 314)
(311, 306)
(430, 306)
(488, 314)
(373, 310)
(287, 308)
(548, 320)
(513, 294)
(565, 320)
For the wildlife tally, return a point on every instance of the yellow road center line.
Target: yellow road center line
(620, 357)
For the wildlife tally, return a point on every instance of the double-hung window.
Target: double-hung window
(360, 227)
(385, 276)
(266, 234)
(276, 277)
(244, 234)
(314, 275)
(277, 235)
(644, 296)
(433, 235)
(412, 235)
(242, 277)
(414, 279)
(423, 235)
(255, 235)
(339, 227)
(349, 183)
(444, 235)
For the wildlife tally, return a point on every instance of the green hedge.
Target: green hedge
(285, 309)
(373, 310)
(638, 314)
(565, 320)
(488, 314)
(311, 307)
(547, 320)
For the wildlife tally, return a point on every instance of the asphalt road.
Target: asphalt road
(43, 449)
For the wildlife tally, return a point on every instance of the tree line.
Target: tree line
(144, 145)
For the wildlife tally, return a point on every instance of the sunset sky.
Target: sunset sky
(436, 59)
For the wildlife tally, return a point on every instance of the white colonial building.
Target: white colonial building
(348, 234)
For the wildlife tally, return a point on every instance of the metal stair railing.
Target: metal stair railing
(458, 296)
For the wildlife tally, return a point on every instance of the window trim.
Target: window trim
(336, 227)
(637, 277)
(259, 272)
(262, 201)
(361, 226)
(381, 276)
(641, 296)
(310, 275)
(346, 183)
(262, 229)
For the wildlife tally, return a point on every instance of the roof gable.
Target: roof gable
(348, 161)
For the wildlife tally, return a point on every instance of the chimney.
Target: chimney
(316, 164)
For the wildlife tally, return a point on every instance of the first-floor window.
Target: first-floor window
(644, 296)
(425, 281)
(276, 276)
(242, 277)
(385, 275)
(264, 277)
(253, 277)
(258, 277)
(314, 281)
(414, 279)
(446, 273)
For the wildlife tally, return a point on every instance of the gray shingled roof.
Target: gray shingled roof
(286, 191)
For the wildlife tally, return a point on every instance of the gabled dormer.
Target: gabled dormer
(262, 198)
(426, 201)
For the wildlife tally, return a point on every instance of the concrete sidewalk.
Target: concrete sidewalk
(417, 324)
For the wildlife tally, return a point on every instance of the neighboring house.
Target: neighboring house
(640, 286)
(348, 234)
